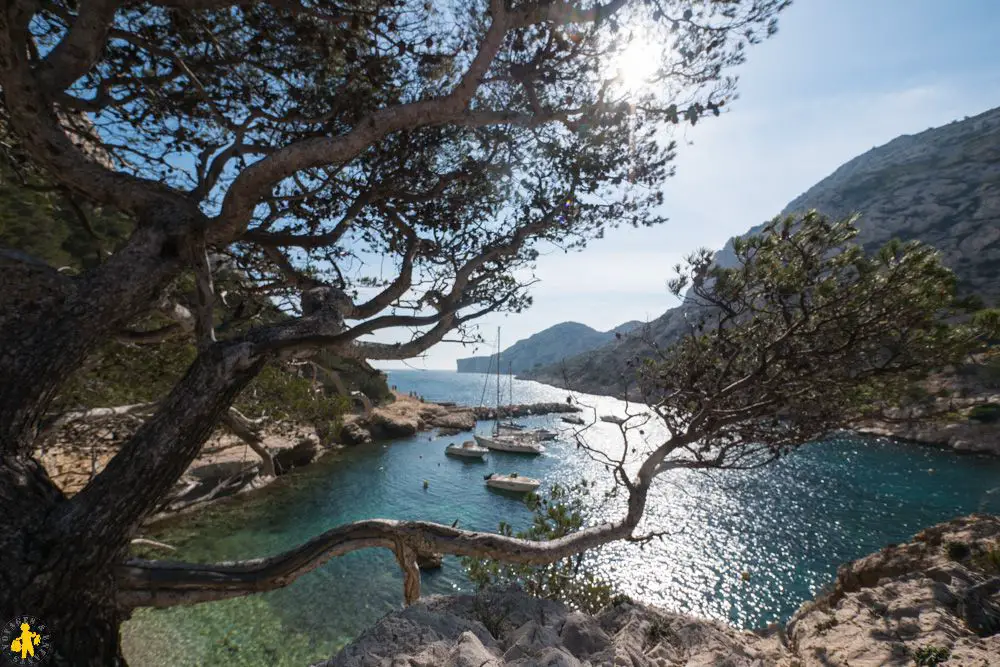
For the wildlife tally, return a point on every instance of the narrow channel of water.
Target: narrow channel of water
(788, 526)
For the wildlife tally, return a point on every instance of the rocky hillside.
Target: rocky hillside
(941, 187)
(546, 347)
(933, 601)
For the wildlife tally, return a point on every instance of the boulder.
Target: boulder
(385, 426)
(583, 636)
(302, 454)
(461, 420)
(353, 433)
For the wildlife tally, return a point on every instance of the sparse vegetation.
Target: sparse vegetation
(987, 413)
(930, 655)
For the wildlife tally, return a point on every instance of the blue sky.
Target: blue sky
(840, 77)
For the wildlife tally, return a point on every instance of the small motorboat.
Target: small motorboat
(468, 449)
(512, 482)
(613, 419)
(574, 419)
(515, 445)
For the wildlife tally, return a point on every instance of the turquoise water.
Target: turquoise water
(788, 526)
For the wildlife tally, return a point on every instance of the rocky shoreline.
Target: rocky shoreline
(226, 466)
(407, 415)
(935, 598)
(953, 429)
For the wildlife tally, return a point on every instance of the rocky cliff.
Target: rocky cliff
(941, 187)
(546, 347)
(935, 599)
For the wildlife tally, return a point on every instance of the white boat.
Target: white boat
(503, 443)
(512, 427)
(538, 434)
(512, 482)
(508, 437)
(573, 419)
(468, 449)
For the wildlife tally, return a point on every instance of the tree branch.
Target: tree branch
(80, 49)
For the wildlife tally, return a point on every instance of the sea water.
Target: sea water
(745, 547)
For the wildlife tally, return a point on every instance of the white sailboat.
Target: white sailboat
(507, 443)
(512, 439)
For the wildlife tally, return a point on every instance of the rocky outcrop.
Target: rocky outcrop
(939, 593)
(507, 628)
(305, 451)
(940, 187)
(937, 596)
(950, 422)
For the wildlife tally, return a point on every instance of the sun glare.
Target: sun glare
(635, 67)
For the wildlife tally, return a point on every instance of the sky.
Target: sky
(839, 78)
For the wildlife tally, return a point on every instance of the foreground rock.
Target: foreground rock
(507, 628)
(941, 591)
(939, 595)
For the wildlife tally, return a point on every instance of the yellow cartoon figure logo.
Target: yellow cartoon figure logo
(25, 641)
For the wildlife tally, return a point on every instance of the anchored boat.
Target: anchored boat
(468, 449)
(512, 482)
(503, 443)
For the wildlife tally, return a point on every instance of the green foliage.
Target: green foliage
(567, 580)
(284, 396)
(44, 223)
(805, 334)
(930, 655)
(988, 321)
(988, 413)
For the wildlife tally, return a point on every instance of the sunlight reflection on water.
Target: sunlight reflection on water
(746, 547)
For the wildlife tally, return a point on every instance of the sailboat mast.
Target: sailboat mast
(510, 379)
(498, 379)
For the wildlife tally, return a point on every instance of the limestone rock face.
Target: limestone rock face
(353, 433)
(887, 606)
(884, 609)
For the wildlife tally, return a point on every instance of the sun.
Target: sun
(635, 67)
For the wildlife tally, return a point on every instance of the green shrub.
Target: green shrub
(987, 413)
(929, 655)
(567, 580)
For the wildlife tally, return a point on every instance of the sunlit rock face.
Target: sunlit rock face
(940, 187)
(939, 594)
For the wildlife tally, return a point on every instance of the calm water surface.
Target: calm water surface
(788, 526)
